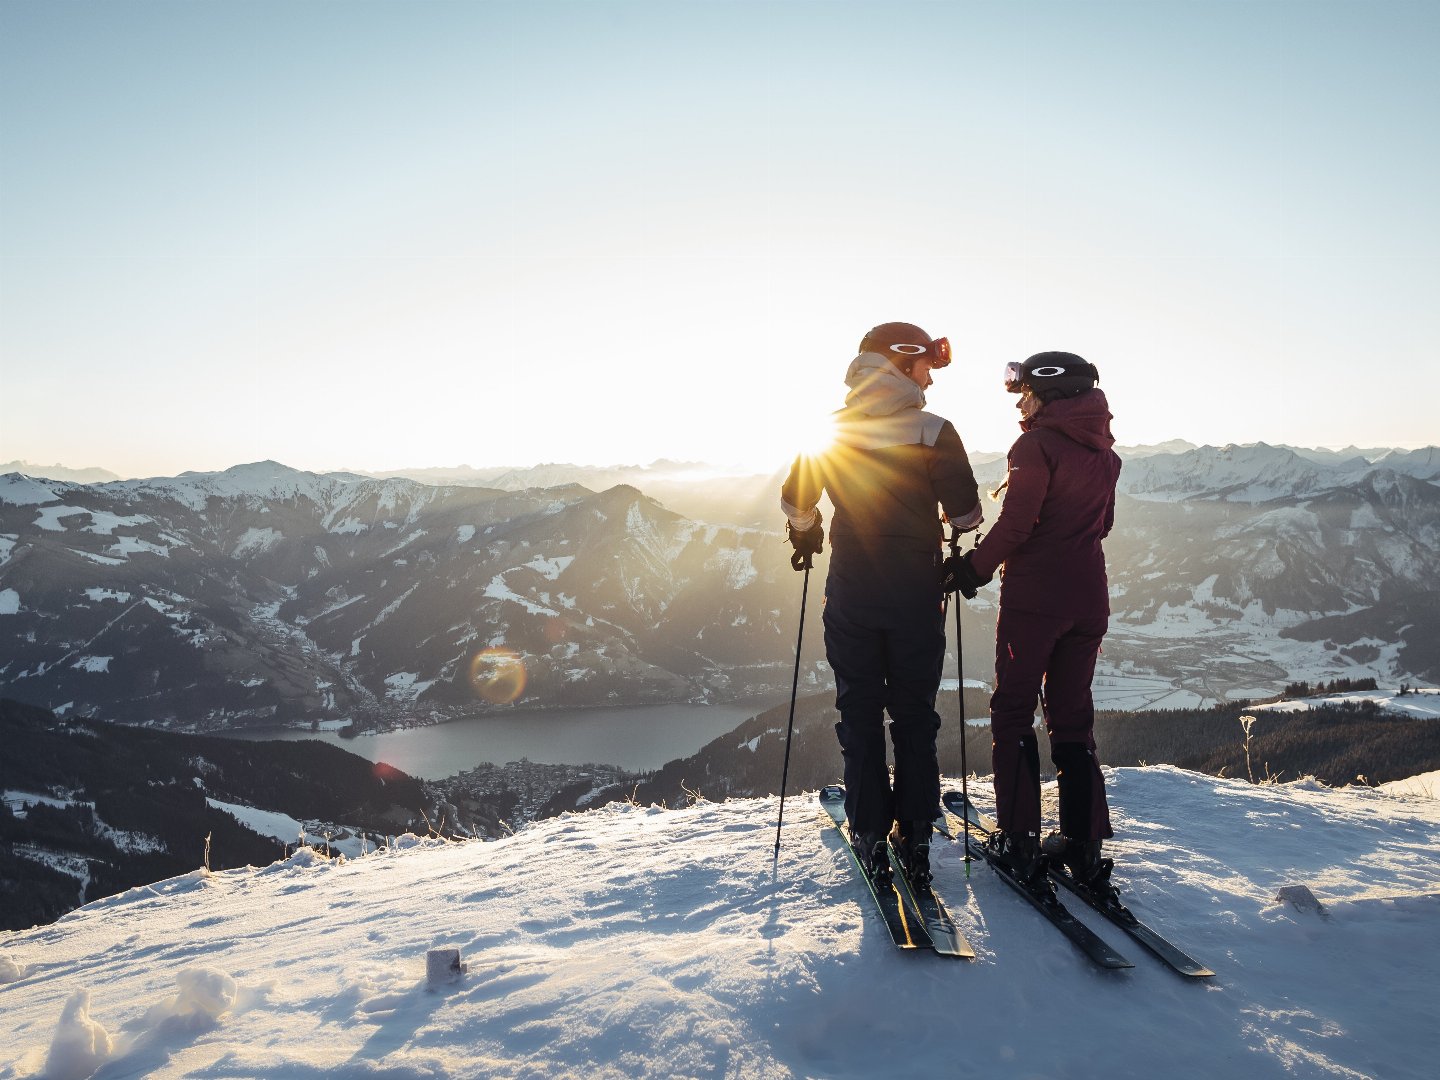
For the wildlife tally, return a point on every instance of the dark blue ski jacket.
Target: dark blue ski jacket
(890, 469)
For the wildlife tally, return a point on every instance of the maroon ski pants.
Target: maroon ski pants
(1052, 659)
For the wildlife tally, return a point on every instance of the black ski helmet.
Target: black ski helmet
(902, 342)
(1052, 375)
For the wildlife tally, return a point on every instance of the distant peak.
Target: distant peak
(267, 466)
(86, 475)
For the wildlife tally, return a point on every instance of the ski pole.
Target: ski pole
(794, 690)
(960, 688)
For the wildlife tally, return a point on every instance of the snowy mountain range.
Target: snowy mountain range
(633, 942)
(1230, 566)
(263, 595)
(697, 490)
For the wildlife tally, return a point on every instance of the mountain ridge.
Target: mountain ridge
(267, 595)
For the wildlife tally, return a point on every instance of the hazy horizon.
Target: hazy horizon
(726, 468)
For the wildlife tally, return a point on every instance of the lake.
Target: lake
(638, 738)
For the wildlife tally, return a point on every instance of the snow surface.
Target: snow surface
(98, 594)
(17, 801)
(550, 569)
(50, 517)
(9, 602)
(105, 523)
(125, 546)
(256, 542)
(1422, 704)
(640, 942)
(18, 490)
(406, 685)
(1425, 786)
(498, 590)
(283, 827)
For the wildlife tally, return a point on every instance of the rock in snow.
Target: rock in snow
(639, 942)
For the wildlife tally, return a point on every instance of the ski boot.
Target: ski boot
(1020, 854)
(874, 857)
(1083, 859)
(911, 842)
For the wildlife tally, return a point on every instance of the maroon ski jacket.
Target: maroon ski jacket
(1059, 505)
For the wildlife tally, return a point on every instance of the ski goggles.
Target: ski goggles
(1016, 376)
(937, 352)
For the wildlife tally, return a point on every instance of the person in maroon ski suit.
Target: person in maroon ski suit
(1054, 609)
(890, 468)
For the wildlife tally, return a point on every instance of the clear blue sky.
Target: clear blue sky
(381, 234)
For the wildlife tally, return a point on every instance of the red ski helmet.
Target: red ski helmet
(902, 342)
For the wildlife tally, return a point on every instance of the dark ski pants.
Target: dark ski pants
(1052, 659)
(887, 660)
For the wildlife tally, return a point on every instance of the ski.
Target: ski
(907, 928)
(1043, 898)
(1109, 905)
(944, 935)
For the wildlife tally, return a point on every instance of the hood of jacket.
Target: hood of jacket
(879, 388)
(1084, 418)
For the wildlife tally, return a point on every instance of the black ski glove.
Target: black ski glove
(807, 544)
(958, 574)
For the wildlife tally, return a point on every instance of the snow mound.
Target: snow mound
(641, 942)
(1425, 786)
(204, 995)
(80, 1045)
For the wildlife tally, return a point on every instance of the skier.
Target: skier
(1054, 611)
(890, 465)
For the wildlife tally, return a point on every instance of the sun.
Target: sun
(816, 435)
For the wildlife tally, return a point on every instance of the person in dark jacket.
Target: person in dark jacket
(1054, 610)
(890, 466)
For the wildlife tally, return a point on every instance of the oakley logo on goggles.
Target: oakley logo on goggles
(1015, 373)
(938, 351)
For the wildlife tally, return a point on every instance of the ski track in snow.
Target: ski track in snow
(639, 942)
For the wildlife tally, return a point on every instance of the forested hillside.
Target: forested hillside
(92, 809)
(1338, 744)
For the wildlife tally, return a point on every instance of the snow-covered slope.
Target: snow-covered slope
(1422, 704)
(1257, 472)
(635, 942)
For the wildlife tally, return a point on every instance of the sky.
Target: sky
(383, 234)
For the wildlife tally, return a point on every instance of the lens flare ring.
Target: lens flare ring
(498, 675)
